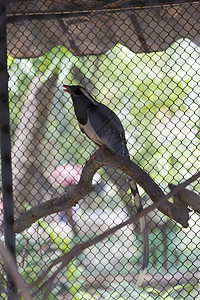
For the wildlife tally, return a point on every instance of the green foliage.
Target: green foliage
(9, 60)
(63, 244)
(155, 95)
(56, 239)
(40, 254)
(152, 90)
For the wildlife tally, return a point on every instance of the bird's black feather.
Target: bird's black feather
(108, 127)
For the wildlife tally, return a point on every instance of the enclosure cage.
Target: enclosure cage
(141, 59)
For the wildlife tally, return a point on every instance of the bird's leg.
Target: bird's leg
(102, 147)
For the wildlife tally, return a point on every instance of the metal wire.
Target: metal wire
(155, 95)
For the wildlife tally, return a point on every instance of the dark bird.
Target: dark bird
(104, 128)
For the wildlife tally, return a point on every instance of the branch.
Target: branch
(76, 250)
(187, 197)
(73, 194)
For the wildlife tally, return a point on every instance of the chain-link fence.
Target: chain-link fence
(156, 97)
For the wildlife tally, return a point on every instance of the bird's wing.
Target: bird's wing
(108, 128)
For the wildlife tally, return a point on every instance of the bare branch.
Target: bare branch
(73, 194)
(187, 198)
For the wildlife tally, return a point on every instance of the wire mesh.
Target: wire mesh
(156, 96)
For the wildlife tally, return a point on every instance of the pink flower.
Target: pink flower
(70, 174)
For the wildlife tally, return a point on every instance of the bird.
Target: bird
(102, 126)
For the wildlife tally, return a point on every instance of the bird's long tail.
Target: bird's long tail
(144, 231)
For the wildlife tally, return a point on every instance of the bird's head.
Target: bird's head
(77, 91)
(74, 90)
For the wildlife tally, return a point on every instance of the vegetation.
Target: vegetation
(156, 96)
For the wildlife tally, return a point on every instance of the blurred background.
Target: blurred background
(156, 97)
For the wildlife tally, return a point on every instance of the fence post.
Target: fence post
(6, 150)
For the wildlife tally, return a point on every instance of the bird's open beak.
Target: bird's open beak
(67, 89)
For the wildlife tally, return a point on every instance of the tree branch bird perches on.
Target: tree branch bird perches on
(103, 127)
